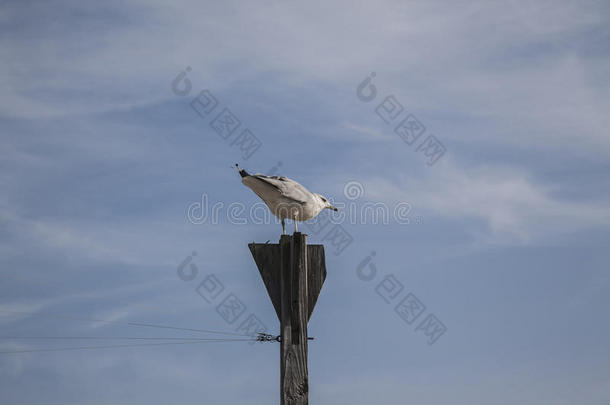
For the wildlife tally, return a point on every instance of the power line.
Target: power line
(140, 324)
(60, 349)
(187, 329)
(110, 338)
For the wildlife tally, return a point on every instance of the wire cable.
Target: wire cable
(60, 349)
(140, 324)
(109, 338)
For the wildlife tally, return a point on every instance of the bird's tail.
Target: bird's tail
(242, 172)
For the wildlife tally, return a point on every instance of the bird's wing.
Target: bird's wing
(288, 188)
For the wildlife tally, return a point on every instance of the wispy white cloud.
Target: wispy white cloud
(520, 65)
(535, 74)
(514, 206)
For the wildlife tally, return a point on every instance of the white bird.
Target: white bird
(285, 197)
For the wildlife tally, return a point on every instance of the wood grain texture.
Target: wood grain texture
(267, 258)
(293, 274)
(316, 274)
(268, 261)
(293, 320)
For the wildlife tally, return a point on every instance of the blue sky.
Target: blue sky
(508, 233)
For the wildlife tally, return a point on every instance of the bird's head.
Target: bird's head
(325, 203)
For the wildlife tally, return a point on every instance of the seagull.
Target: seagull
(285, 197)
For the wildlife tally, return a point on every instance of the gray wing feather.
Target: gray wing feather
(287, 187)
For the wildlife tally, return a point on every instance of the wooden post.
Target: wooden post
(293, 274)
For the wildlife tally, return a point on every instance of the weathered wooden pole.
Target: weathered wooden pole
(293, 322)
(293, 273)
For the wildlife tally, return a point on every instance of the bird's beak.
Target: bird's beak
(333, 208)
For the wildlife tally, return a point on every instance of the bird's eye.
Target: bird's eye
(323, 199)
